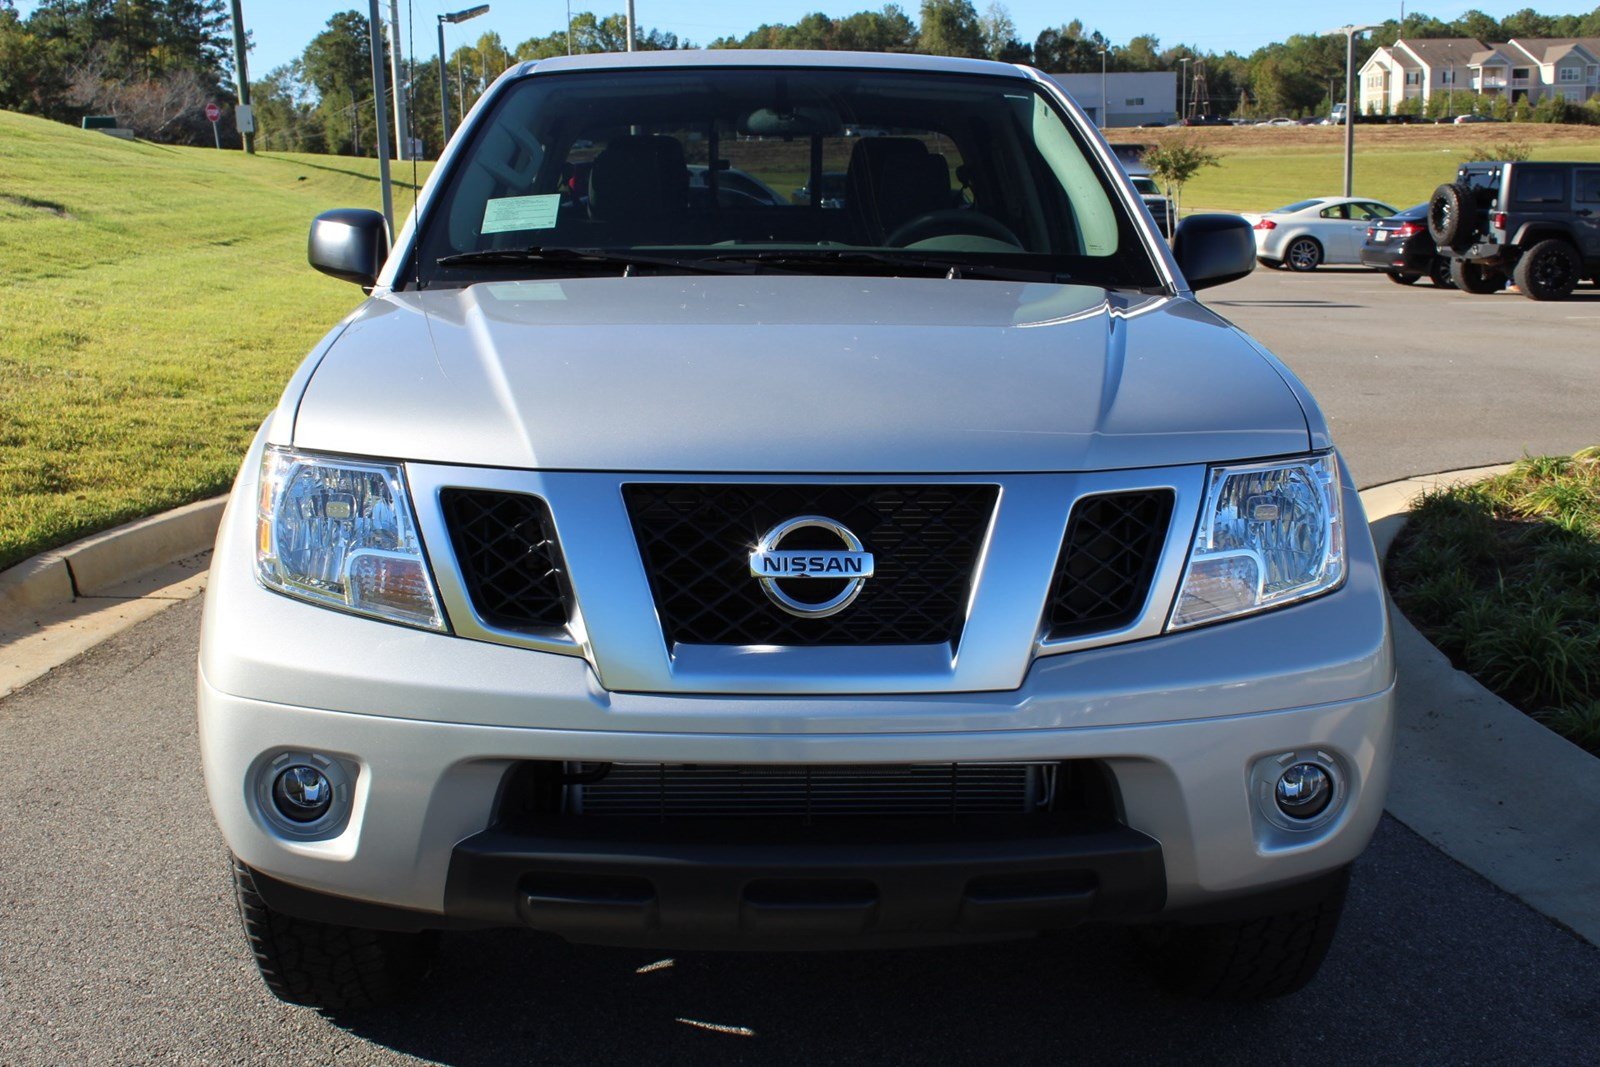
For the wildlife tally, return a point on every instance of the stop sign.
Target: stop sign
(213, 112)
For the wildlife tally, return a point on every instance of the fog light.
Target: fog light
(1304, 791)
(302, 793)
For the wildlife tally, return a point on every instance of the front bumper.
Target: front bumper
(429, 726)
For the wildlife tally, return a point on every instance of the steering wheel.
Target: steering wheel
(947, 223)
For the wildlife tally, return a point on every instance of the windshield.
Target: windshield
(1146, 186)
(791, 169)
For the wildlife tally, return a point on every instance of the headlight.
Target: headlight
(1269, 534)
(340, 532)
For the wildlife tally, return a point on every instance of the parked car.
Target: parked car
(734, 186)
(646, 572)
(1401, 247)
(1160, 205)
(1464, 120)
(1309, 233)
(1537, 224)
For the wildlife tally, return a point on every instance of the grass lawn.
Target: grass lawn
(156, 298)
(1267, 167)
(1504, 577)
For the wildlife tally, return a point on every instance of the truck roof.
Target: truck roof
(761, 57)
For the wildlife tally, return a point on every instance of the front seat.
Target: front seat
(892, 180)
(638, 177)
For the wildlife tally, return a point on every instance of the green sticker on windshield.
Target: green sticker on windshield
(520, 213)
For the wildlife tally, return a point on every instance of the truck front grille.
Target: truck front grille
(1108, 558)
(695, 541)
(505, 544)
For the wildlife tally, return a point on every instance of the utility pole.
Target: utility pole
(1105, 104)
(398, 74)
(569, 27)
(380, 107)
(242, 74)
(630, 25)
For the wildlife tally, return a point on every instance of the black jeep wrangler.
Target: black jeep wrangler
(1535, 223)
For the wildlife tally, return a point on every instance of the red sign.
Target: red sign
(213, 112)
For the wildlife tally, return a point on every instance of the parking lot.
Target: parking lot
(118, 941)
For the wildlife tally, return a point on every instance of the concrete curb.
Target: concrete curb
(1479, 779)
(93, 565)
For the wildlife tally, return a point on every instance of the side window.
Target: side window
(1588, 191)
(1338, 211)
(1541, 187)
(1377, 211)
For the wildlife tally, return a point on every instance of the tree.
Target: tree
(1000, 36)
(1174, 162)
(950, 28)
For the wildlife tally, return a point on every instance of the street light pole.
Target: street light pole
(1105, 104)
(444, 73)
(630, 25)
(1349, 99)
(380, 107)
(1183, 109)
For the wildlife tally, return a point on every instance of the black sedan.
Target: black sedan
(1401, 248)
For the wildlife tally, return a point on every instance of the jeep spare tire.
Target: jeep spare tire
(1448, 217)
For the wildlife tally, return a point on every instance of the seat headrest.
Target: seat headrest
(892, 180)
(638, 176)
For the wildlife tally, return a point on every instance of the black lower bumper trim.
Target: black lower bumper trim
(889, 882)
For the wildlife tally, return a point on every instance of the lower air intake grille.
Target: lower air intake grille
(506, 547)
(1108, 558)
(696, 540)
(655, 790)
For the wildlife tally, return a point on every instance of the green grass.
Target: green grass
(1504, 576)
(1264, 176)
(156, 299)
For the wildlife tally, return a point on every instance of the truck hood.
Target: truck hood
(773, 373)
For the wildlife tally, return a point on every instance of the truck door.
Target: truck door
(1586, 210)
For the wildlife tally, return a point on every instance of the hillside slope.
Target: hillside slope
(156, 298)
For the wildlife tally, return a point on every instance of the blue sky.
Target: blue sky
(282, 27)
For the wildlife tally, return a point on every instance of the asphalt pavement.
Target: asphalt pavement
(119, 944)
(1417, 380)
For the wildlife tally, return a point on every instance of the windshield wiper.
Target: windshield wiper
(589, 259)
(851, 260)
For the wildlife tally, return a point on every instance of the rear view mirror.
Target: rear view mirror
(350, 244)
(790, 122)
(1214, 249)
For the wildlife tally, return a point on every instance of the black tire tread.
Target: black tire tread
(1252, 959)
(1403, 278)
(1472, 278)
(1523, 274)
(1452, 216)
(328, 967)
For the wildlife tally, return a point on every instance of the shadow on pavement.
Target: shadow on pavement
(1391, 985)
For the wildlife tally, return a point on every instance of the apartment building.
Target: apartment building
(1521, 68)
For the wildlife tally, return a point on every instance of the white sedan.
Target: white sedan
(1324, 229)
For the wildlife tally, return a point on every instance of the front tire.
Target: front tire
(1303, 254)
(1549, 270)
(1475, 277)
(328, 967)
(1250, 959)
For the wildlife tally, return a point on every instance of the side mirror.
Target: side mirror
(350, 244)
(1214, 249)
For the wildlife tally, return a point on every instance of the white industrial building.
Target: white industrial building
(1132, 98)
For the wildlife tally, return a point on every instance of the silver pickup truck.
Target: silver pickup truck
(653, 564)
